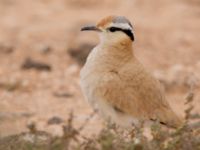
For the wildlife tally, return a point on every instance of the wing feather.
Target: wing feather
(137, 93)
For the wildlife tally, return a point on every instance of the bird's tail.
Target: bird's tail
(170, 119)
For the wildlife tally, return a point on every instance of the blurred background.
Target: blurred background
(42, 51)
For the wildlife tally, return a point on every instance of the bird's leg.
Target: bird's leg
(137, 129)
(110, 124)
(132, 132)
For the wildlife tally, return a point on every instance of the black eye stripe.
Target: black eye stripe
(126, 31)
(113, 29)
(129, 33)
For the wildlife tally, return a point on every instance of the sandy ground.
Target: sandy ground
(167, 36)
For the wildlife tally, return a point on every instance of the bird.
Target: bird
(117, 85)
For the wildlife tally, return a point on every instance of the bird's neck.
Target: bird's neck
(109, 57)
(119, 51)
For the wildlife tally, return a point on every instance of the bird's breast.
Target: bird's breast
(89, 80)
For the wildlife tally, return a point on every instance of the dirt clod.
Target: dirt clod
(29, 63)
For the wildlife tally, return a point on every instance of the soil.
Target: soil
(47, 32)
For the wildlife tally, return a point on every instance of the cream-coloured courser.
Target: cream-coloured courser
(116, 84)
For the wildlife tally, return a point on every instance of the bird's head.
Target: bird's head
(113, 29)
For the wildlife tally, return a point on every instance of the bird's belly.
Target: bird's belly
(107, 111)
(110, 114)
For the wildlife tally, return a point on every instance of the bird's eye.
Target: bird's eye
(112, 29)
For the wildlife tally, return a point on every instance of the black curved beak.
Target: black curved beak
(90, 28)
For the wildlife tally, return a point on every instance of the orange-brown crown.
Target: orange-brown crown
(105, 21)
